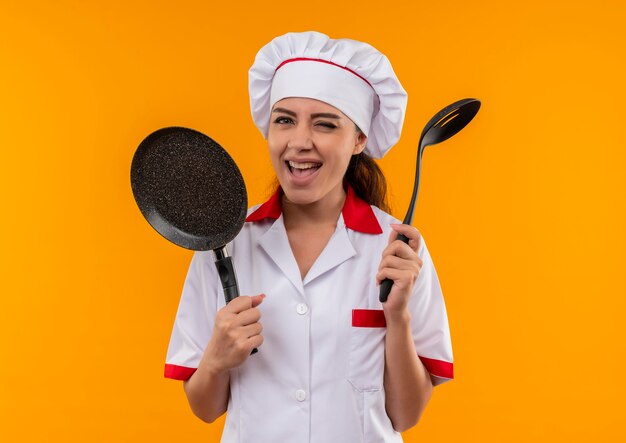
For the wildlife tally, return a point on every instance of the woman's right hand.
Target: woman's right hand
(236, 332)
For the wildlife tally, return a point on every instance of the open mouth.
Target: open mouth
(302, 169)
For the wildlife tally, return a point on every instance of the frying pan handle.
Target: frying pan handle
(226, 271)
(228, 277)
(385, 286)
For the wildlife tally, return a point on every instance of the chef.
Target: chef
(334, 364)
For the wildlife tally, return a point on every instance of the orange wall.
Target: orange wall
(524, 211)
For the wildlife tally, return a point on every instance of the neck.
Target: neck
(323, 212)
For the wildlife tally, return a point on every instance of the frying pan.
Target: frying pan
(192, 193)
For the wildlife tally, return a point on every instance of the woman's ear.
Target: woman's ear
(359, 145)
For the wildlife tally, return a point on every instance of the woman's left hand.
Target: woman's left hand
(401, 264)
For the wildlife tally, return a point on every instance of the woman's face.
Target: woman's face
(310, 145)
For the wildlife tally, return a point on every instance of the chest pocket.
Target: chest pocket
(367, 349)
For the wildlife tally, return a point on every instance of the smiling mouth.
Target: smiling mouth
(302, 169)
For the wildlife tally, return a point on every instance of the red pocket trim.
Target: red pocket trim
(368, 318)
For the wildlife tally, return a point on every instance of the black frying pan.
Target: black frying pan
(191, 191)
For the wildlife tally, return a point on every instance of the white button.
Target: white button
(300, 395)
(302, 308)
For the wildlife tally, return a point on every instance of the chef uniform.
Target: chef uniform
(319, 375)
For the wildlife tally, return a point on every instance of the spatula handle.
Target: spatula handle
(385, 286)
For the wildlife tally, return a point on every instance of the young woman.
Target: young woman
(334, 364)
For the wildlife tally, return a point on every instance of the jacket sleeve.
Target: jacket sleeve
(429, 322)
(195, 318)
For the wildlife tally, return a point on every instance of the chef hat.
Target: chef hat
(352, 76)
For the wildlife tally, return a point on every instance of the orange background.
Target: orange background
(524, 211)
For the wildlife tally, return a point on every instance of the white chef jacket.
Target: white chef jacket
(318, 377)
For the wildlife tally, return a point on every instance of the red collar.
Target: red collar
(357, 214)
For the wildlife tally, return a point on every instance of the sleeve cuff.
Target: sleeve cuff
(438, 368)
(178, 372)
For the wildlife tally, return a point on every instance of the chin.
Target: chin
(303, 196)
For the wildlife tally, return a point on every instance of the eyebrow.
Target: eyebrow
(316, 115)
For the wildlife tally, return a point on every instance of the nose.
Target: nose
(301, 137)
